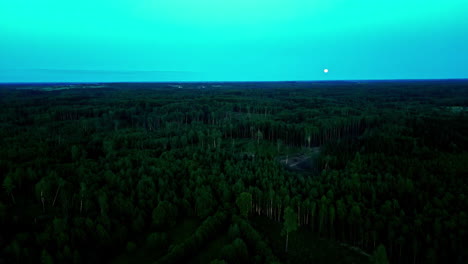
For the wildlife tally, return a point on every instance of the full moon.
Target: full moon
(325, 70)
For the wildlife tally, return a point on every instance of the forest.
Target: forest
(234, 172)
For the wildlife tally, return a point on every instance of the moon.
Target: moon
(325, 70)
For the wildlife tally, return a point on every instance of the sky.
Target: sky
(232, 40)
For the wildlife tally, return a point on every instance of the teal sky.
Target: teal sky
(232, 40)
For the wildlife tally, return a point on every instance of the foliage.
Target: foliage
(244, 202)
(380, 255)
(90, 174)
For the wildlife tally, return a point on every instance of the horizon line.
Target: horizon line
(99, 70)
(242, 81)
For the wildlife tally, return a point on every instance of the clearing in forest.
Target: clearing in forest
(301, 161)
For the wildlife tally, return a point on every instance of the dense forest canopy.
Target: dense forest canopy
(288, 172)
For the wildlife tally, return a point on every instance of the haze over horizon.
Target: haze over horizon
(205, 40)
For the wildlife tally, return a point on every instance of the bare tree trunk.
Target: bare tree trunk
(287, 238)
(251, 205)
(55, 198)
(271, 207)
(298, 215)
(43, 200)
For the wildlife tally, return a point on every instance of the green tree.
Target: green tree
(244, 202)
(156, 240)
(355, 220)
(234, 232)
(131, 246)
(3, 212)
(380, 255)
(217, 261)
(9, 186)
(290, 224)
(241, 250)
(204, 202)
(164, 214)
(341, 212)
(46, 258)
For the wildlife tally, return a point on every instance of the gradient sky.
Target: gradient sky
(232, 40)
